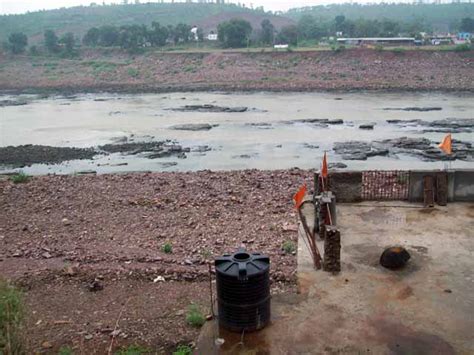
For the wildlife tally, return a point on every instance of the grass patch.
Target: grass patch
(167, 248)
(65, 350)
(190, 69)
(11, 317)
(398, 50)
(462, 47)
(183, 350)
(20, 178)
(134, 73)
(289, 247)
(133, 350)
(194, 317)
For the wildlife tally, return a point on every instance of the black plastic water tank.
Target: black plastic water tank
(243, 291)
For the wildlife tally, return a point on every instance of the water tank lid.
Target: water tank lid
(242, 264)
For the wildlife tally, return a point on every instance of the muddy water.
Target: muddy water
(91, 120)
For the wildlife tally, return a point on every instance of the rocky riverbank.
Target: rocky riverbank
(355, 69)
(85, 247)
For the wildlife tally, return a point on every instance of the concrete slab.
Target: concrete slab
(427, 308)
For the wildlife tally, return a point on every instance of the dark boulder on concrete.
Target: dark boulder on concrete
(367, 126)
(394, 258)
(417, 109)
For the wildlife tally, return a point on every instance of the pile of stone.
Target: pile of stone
(332, 249)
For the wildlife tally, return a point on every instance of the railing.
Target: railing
(385, 185)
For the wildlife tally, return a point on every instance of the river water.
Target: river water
(82, 121)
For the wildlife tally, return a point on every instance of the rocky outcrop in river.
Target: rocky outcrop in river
(209, 108)
(420, 147)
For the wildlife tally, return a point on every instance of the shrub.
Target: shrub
(11, 317)
(194, 317)
(378, 48)
(183, 350)
(134, 73)
(462, 47)
(167, 248)
(398, 50)
(65, 350)
(289, 247)
(19, 178)
(133, 350)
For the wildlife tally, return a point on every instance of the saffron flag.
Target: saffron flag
(445, 145)
(299, 196)
(324, 169)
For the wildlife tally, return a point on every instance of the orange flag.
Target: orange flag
(445, 145)
(324, 169)
(299, 196)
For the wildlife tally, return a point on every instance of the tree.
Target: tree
(308, 28)
(467, 25)
(109, 36)
(91, 38)
(339, 23)
(51, 41)
(268, 32)
(234, 33)
(68, 41)
(158, 35)
(17, 42)
(182, 33)
(288, 35)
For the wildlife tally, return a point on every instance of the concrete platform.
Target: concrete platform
(427, 308)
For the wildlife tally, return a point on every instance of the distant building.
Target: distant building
(212, 36)
(194, 32)
(359, 41)
(280, 46)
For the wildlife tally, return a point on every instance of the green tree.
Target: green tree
(268, 32)
(91, 38)
(109, 36)
(17, 42)
(339, 23)
(288, 35)
(68, 41)
(182, 33)
(467, 25)
(308, 28)
(51, 41)
(158, 35)
(234, 33)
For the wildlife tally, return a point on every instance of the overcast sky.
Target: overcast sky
(21, 6)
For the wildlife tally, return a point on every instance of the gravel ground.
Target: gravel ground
(60, 233)
(353, 69)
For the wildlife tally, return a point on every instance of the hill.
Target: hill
(441, 17)
(79, 19)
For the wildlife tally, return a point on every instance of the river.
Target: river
(89, 120)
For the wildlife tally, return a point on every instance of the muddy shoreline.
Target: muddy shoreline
(141, 89)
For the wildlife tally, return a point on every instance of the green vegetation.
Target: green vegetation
(133, 72)
(234, 33)
(65, 350)
(462, 47)
(194, 316)
(11, 318)
(19, 178)
(167, 248)
(183, 350)
(17, 42)
(289, 247)
(133, 350)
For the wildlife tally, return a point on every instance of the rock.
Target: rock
(159, 279)
(261, 125)
(210, 108)
(201, 149)
(337, 166)
(404, 121)
(4, 103)
(193, 127)
(168, 164)
(394, 258)
(366, 126)
(66, 222)
(310, 146)
(46, 345)
(88, 336)
(417, 109)
(46, 255)
(70, 271)
(95, 286)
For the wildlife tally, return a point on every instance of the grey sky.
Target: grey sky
(21, 6)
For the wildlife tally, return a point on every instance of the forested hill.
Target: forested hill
(80, 19)
(441, 17)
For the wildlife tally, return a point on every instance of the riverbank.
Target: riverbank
(86, 248)
(346, 70)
